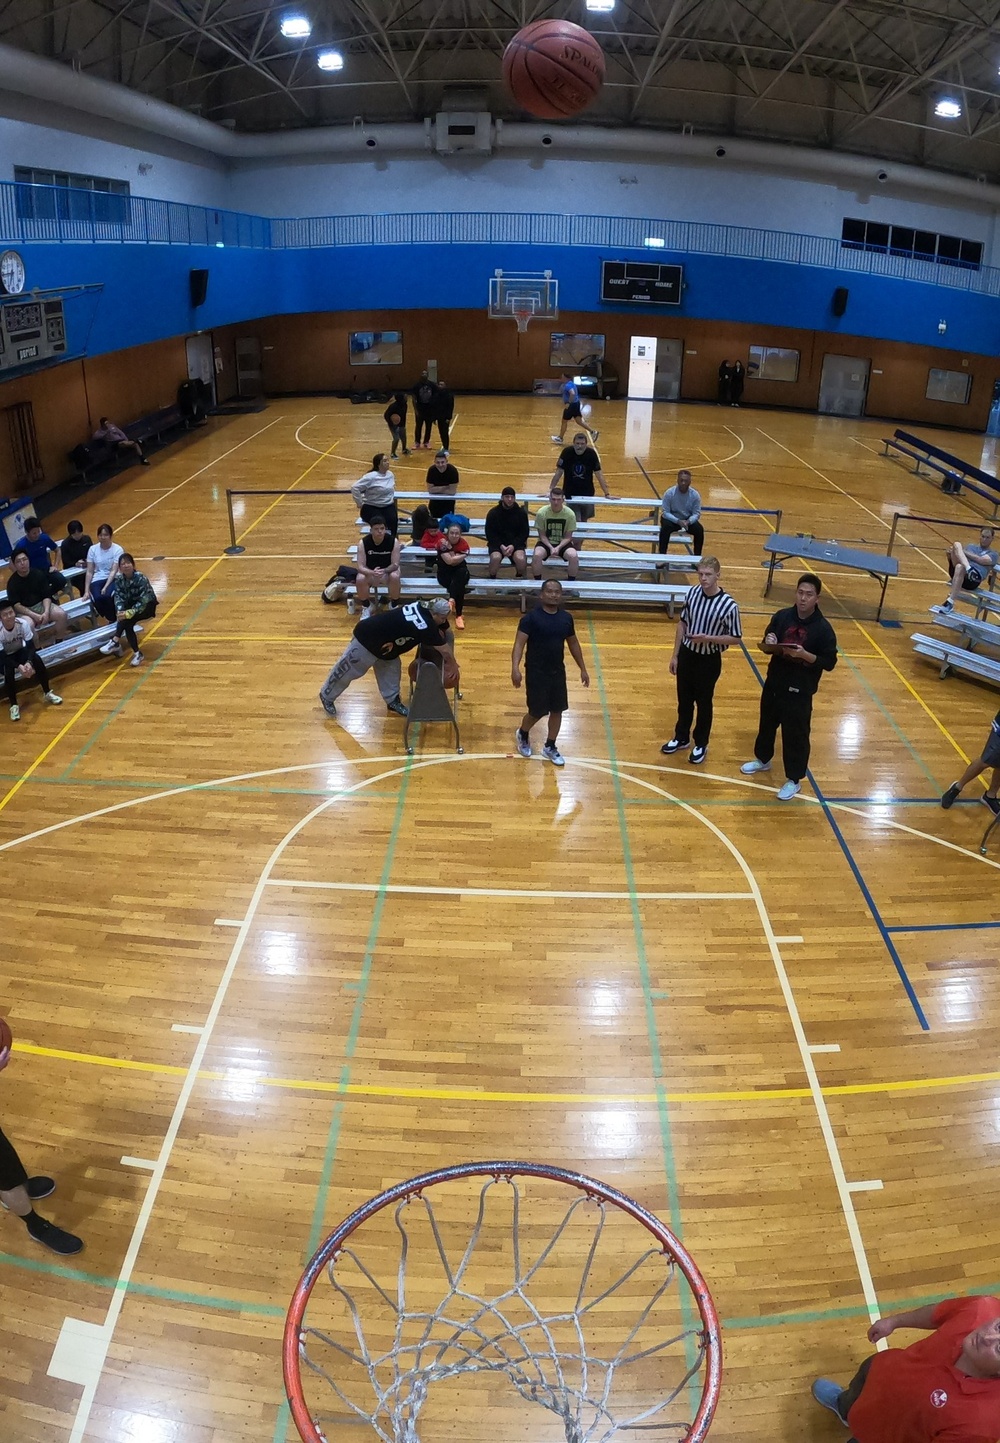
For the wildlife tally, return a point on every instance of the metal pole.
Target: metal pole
(232, 549)
(777, 524)
(892, 534)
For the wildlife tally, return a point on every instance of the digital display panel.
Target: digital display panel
(25, 316)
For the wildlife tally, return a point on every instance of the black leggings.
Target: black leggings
(12, 660)
(454, 579)
(388, 512)
(127, 628)
(694, 529)
(423, 432)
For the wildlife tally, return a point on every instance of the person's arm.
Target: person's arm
(520, 642)
(451, 557)
(394, 560)
(666, 513)
(604, 485)
(679, 636)
(576, 652)
(567, 539)
(914, 1318)
(359, 491)
(770, 645)
(557, 474)
(59, 559)
(361, 561)
(696, 513)
(88, 579)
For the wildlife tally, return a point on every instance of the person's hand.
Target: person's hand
(770, 639)
(880, 1330)
(795, 651)
(673, 665)
(120, 615)
(585, 677)
(515, 676)
(506, 551)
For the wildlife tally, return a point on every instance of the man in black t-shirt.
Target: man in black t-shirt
(546, 632)
(575, 471)
(379, 641)
(73, 552)
(442, 483)
(30, 594)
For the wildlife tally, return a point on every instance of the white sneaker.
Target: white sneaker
(137, 660)
(557, 440)
(788, 791)
(749, 768)
(523, 742)
(15, 713)
(552, 754)
(111, 648)
(52, 699)
(138, 629)
(366, 612)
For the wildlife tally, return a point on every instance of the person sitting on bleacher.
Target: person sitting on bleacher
(377, 564)
(555, 525)
(681, 512)
(442, 484)
(41, 549)
(29, 592)
(135, 600)
(507, 528)
(111, 435)
(452, 570)
(21, 661)
(73, 552)
(102, 568)
(969, 566)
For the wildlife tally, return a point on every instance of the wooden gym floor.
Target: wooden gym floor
(240, 1006)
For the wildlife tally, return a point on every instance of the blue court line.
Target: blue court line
(947, 927)
(902, 801)
(897, 961)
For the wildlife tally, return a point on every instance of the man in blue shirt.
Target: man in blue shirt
(40, 547)
(572, 411)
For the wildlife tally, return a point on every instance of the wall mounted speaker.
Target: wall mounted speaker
(199, 287)
(839, 300)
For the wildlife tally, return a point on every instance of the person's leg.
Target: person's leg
(527, 722)
(667, 529)
(459, 583)
(852, 1392)
(104, 601)
(520, 561)
(391, 514)
(767, 729)
(796, 721)
(685, 696)
(539, 555)
(697, 536)
(18, 1192)
(394, 586)
(958, 566)
(572, 557)
(496, 561)
(394, 447)
(127, 629)
(444, 431)
(555, 723)
(388, 675)
(706, 673)
(990, 758)
(11, 661)
(363, 587)
(354, 662)
(41, 670)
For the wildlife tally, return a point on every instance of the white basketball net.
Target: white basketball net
(601, 1348)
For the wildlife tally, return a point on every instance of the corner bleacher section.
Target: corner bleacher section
(102, 456)
(79, 643)
(959, 652)
(954, 472)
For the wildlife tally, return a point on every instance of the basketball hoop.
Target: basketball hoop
(581, 1301)
(522, 317)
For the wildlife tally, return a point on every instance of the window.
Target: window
(376, 348)
(772, 363)
(953, 386)
(70, 197)
(570, 350)
(901, 240)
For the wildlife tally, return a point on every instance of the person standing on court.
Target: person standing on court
(379, 641)
(375, 494)
(424, 396)
(19, 1193)
(507, 528)
(575, 471)
(942, 1387)
(709, 623)
(680, 512)
(572, 411)
(394, 417)
(725, 384)
(546, 632)
(737, 377)
(443, 410)
(442, 485)
(802, 645)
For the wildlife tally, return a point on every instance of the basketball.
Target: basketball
(6, 1040)
(394, 419)
(553, 68)
(586, 410)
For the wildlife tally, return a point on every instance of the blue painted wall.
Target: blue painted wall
(146, 296)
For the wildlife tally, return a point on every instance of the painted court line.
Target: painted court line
(820, 1046)
(228, 922)
(787, 941)
(420, 891)
(140, 1162)
(189, 1026)
(873, 1185)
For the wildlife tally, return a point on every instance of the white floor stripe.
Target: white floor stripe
(823, 1046)
(875, 1185)
(787, 941)
(79, 1354)
(140, 1162)
(419, 891)
(228, 922)
(190, 1026)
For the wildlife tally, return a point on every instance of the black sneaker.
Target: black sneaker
(52, 1237)
(698, 755)
(991, 802)
(397, 707)
(951, 796)
(668, 748)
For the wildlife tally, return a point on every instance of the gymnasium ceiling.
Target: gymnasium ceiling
(861, 76)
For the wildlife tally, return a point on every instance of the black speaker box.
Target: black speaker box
(199, 287)
(839, 302)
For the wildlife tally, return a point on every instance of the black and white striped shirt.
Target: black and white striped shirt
(703, 615)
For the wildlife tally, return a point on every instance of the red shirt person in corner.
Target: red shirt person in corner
(942, 1389)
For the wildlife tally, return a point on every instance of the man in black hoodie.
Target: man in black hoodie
(443, 409)
(802, 645)
(507, 528)
(424, 398)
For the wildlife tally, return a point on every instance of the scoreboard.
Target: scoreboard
(31, 331)
(641, 281)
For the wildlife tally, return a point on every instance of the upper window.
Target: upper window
(904, 240)
(59, 195)
(772, 363)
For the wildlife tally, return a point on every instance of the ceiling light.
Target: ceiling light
(296, 27)
(655, 242)
(600, 7)
(330, 60)
(948, 109)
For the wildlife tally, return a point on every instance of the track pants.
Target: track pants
(12, 660)
(791, 710)
(694, 529)
(696, 678)
(355, 661)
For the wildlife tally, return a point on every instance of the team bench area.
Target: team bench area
(955, 473)
(80, 642)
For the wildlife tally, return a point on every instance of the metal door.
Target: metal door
(843, 386)
(669, 360)
(248, 382)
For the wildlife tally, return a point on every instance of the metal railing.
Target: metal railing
(60, 214)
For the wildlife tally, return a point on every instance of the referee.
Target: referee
(710, 621)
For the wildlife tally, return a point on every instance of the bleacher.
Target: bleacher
(525, 591)
(619, 561)
(78, 643)
(101, 457)
(959, 652)
(954, 472)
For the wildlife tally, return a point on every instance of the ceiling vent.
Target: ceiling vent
(470, 130)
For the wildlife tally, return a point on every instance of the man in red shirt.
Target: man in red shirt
(942, 1389)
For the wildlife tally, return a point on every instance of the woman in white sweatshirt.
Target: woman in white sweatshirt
(375, 493)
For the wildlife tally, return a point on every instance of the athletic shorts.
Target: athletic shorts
(546, 692)
(12, 1173)
(991, 751)
(582, 510)
(973, 578)
(572, 412)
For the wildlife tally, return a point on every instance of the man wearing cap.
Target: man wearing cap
(507, 528)
(379, 641)
(945, 1386)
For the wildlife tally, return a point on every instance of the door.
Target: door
(201, 360)
(843, 386)
(669, 360)
(993, 424)
(642, 368)
(248, 382)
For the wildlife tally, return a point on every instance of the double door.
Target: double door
(843, 386)
(654, 371)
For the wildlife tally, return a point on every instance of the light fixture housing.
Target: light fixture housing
(655, 242)
(330, 60)
(296, 27)
(600, 7)
(948, 108)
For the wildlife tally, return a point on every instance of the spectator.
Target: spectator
(424, 397)
(680, 513)
(802, 645)
(576, 468)
(453, 571)
(379, 642)
(725, 384)
(113, 436)
(21, 661)
(545, 631)
(507, 528)
(946, 1386)
(73, 551)
(443, 409)
(378, 564)
(442, 485)
(29, 592)
(41, 549)
(394, 416)
(102, 569)
(19, 1193)
(989, 759)
(555, 525)
(969, 566)
(135, 600)
(737, 376)
(375, 493)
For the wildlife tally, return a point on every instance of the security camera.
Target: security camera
(720, 152)
(546, 140)
(882, 177)
(371, 142)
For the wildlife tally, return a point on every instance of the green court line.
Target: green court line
(894, 724)
(144, 677)
(148, 1290)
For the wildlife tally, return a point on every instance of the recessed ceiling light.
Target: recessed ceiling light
(600, 7)
(655, 242)
(330, 60)
(296, 27)
(948, 109)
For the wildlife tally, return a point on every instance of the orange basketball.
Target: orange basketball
(553, 68)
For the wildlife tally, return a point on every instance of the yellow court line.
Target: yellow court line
(471, 1094)
(913, 692)
(47, 750)
(729, 482)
